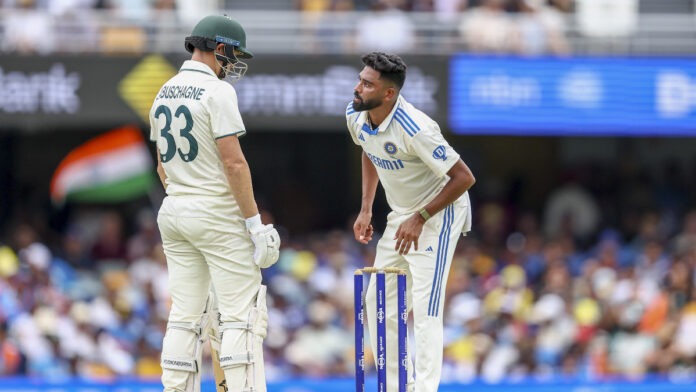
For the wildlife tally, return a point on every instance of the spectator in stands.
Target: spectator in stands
(539, 29)
(682, 348)
(191, 11)
(571, 210)
(334, 31)
(110, 245)
(466, 342)
(131, 10)
(648, 230)
(146, 235)
(74, 249)
(74, 27)
(163, 16)
(684, 242)
(313, 6)
(449, 10)
(565, 6)
(29, 30)
(652, 264)
(319, 348)
(11, 359)
(385, 28)
(511, 296)
(164, 5)
(419, 6)
(488, 28)
(555, 334)
(629, 349)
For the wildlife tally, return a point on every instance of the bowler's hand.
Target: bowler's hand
(408, 233)
(362, 228)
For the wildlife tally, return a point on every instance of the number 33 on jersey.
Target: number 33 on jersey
(190, 112)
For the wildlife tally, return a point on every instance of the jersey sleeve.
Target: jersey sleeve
(225, 118)
(432, 148)
(153, 129)
(351, 116)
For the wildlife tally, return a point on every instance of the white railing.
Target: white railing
(291, 32)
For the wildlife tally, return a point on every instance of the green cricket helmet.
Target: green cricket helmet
(219, 29)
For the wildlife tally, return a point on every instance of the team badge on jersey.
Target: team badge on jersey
(440, 153)
(390, 148)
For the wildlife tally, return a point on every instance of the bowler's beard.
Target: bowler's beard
(361, 105)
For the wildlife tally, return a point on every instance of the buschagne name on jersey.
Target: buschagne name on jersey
(181, 92)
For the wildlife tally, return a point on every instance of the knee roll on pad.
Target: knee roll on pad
(181, 343)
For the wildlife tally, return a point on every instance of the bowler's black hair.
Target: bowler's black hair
(390, 66)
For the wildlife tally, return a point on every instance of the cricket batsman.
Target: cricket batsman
(209, 221)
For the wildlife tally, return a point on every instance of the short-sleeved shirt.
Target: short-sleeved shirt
(191, 111)
(408, 150)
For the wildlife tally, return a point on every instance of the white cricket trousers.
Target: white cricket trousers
(204, 240)
(428, 269)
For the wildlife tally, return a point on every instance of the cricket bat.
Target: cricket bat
(220, 381)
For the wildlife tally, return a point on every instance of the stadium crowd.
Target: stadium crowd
(529, 27)
(598, 283)
(448, 6)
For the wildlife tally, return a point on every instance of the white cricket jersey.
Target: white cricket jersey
(410, 154)
(191, 111)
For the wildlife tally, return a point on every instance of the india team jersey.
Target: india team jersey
(191, 111)
(409, 152)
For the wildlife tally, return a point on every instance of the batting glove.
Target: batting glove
(266, 242)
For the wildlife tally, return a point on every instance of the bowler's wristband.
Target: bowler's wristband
(424, 214)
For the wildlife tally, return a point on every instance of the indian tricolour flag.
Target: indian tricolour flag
(112, 167)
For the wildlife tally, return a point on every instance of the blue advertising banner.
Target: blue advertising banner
(588, 96)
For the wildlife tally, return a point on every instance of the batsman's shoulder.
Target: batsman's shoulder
(222, 92)
(225, 88)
